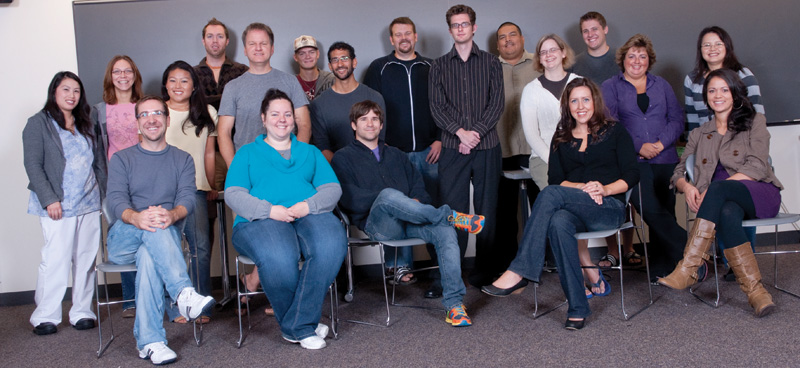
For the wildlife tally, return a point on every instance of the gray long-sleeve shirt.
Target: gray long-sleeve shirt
(138, 179)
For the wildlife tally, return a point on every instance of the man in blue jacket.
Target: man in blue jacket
(385, 197)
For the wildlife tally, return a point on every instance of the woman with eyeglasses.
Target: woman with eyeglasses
(646, 105)
(66, 167)
(539, 104)
(715, 51)
(733, 181)
(116, 121)
(193, 129)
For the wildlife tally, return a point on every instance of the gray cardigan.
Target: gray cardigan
(98, 117)
(45, 163)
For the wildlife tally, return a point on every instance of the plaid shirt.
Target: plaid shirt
(211, 89)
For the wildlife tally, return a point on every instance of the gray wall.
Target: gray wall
(158, 32)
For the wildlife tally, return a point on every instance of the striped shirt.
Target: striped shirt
(697, 112)
(467, 95)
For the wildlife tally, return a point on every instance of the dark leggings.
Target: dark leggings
(726, 204)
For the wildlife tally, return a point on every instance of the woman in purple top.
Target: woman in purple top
(734, 181)
(646, 105)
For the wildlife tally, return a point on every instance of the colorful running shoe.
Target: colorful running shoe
(472, 224)
(457, 316)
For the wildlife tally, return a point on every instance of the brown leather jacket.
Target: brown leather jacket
(746, 152)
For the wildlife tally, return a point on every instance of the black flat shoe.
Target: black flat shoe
(496, 291)
(84, 324)
(45, 328)
(574, 325)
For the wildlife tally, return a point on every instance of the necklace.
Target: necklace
(308, 87)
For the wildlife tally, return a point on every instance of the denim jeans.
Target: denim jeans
(395, 216)
(197, 235)
(296, 294)
(430, 173)
(159, 264)
(128, 283)
(558, 213)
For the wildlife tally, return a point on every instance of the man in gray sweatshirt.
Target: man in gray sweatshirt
(151, 189)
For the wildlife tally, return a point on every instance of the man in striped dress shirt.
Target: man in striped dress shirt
(467, 99)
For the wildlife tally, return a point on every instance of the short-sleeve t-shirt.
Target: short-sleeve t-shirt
(186, 140)
(123, 131)
(242, 100)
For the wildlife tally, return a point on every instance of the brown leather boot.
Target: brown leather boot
(695, 253)
(743, 262)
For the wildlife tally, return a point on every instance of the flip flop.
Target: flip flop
(626, 259)
(605, 284)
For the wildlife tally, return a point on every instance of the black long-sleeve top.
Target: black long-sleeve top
(607, 159)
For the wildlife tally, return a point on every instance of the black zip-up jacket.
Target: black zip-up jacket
(404, 87)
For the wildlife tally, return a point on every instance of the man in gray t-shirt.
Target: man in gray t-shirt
(598, 61)
(330, 112)
(241, 100)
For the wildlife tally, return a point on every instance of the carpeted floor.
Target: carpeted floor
(677, 330)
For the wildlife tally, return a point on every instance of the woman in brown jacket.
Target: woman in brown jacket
(734, 182)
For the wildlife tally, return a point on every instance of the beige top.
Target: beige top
(509, 128)
(187, 140)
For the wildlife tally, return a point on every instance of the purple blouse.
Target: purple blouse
(663, 121)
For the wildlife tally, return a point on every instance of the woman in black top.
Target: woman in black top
(592, 165)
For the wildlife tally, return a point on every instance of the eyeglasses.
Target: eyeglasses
(336, 60)
(117, 72)
(550, 51)
(460, 25)
(716, 45)
(145, 114)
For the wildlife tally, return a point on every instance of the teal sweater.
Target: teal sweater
(261, 170)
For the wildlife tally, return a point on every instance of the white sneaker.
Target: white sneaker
(321, 333)
(191, 304)
(158, 353)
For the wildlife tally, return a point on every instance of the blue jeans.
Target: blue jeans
(159, 263)
(430, 172)
(197, 235)
(558, 213)
(128, 283)
(395, 216)
(296, 294)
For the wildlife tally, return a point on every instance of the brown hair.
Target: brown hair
(215, 22)
(637, 41)
(362, 108)
(109, 93)
(258, 27)
(402, 20)
(566, 62)
(592, 15)
(567, 122)
(459, 9)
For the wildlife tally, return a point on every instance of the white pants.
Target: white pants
(538, 170)
(71, 241)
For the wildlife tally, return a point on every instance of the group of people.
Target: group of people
(398, 153)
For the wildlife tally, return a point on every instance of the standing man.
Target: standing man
(402, 79)
(313, 80)
(330, 113)
(151, 189)
(518, 71)
(215, 70)
(241, 100)
(466, 90)
(386, 198)
(597, 62)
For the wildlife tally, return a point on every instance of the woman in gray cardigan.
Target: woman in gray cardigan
(734, 182)
(67, 174)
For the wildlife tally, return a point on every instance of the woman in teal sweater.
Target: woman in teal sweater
(283, 191)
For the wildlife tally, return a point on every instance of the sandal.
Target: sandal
(181, 320)
(601, 282)
(402, 276)
(612, 261)
(629, 258)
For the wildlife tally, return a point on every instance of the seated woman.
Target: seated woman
(283, 191)
(733, 182)
(592, 165)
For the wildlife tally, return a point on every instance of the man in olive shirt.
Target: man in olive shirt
(518, 71)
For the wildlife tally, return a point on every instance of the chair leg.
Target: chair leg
(198, 332)
(693, 290)
(107, 304)
(348, 297)
(775, 267)
(536, 313)
(621, 269)
(239, 309)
